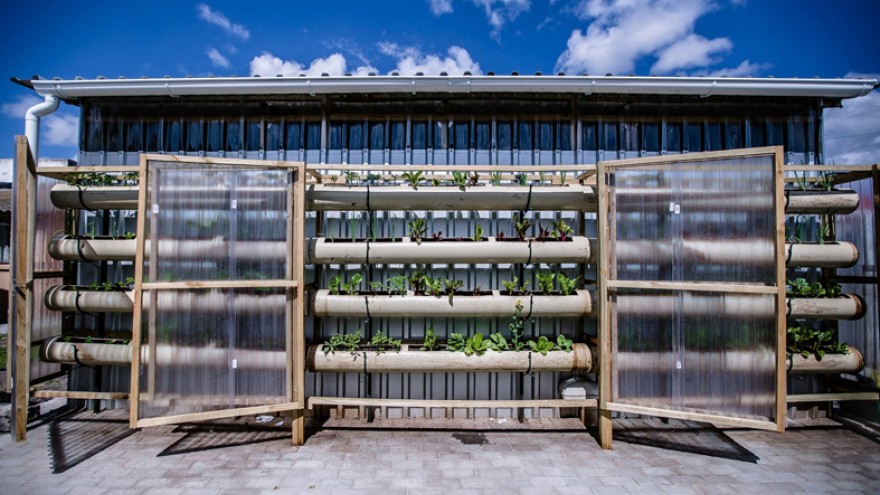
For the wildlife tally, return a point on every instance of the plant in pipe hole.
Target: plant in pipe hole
(546, 282)
(433, 286)
(513, 287)
(516, 328)
(476, 344)
(478, 233)
(338, 285)
(382, 343)
(806, 341)
(395, 286)
(348, 342)
(561, 230)
(495, 178)
(417, 229)
(417, 283)
(460, 180)
(474, 178)
(521, 225)
(567, 286)
(451, 286)
(456, 342)
(498, 343)
(413, 178)
(432, 343)
(543, 345)
(564, 343)
(800, 287)
(543, 233)
(350, 177)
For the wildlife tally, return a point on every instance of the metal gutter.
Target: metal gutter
(635, 85)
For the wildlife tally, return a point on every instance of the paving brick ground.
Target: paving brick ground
(98, 455)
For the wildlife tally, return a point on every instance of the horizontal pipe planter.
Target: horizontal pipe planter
(488, 306)
(328, 197)
(323, 251)
(55, 350)
(828, 255)
(851, 362)
(68, 248)
(844, 307)
(125, 197)
(69, 298)
(733, 361)
(335, 197)
(411, 359)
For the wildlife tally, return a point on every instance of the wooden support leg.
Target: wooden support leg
(298, 427)
(605, 429)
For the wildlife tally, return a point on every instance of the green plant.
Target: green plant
(413, 177)
(546, 282)
(89, 340)
(496, 178)
(561, 230)
(417, 283)
(417, 229)
(826, 180)
(431, 341)
(541, 178)
(522, 179)
(562, 177)
(808, 341)
(451, 286)
(396, 285)
(476, 344)
(337, 285)
(567, 286)
(382, 343)
(129, 235)
(498, 343)
(350, 177)
(543, 345)
(801, 181)
(433, 286)
(456, 342)
(513, 286)
(478, 233)
(564, 343)
(459, 179)
(346, 341)
(521, 225)
(516, 328)
(543, 233)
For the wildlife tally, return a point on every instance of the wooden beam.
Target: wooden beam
(62, 173)
(694, 286)
(21, 291)
(219, 414)
(449, 168)
(218, 284)
(311, 402)
(71, 394)
(780, 264)
(760, 424)
(836, 396)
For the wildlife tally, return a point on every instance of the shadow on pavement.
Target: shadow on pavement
(75, 438)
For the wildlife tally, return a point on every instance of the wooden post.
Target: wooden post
(24, 217)
(602, 218)
(781, 379)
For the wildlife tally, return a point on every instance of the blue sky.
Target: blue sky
(795, 38)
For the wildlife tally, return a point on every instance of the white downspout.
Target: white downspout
(32, 123)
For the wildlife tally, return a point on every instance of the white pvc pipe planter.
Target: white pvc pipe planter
(828, 255)
(413, 360)
(845, 307)
(733, 361)
(84, 249)
(125, 197)
(67, 298)
(325, 251)
(329, 197)
(488, 306)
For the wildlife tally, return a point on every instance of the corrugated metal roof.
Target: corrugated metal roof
(231, 86)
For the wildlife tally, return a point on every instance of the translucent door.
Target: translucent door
(218, 318)
(692, 285)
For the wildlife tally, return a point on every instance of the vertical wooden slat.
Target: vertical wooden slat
(138, 296)
(22, 282)
(298, 335)
(605, 425)
(781, 379)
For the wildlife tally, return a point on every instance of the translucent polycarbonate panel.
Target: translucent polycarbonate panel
(50, 220)
(703, 352)
(695, 221)
(45, 323)
(212, 349)
(218, 223)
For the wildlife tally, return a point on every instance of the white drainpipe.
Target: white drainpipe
(32, 122)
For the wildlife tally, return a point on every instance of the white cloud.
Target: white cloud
(744, 69)
(622, 31)
(269, 65)
(852, 133)
(218, 59)
(61, 129)
(217, 18)
(499, 12)
(440, 7)
(410, 60)
(691, 51)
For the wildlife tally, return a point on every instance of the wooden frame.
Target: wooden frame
(608, 280)
(294, 339)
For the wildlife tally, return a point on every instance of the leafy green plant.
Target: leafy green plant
(521, 225)
(417, 229)
(460, 180)
(543, 233)
(382, 343)
(498, 343)
(564, 343)
(431, 341)
(495, 178)
(826, 180)
(543, 345)
(500, 236)
(348, 342)
(800, 287)
(396, 285)
(451, 286)
(546, 282)
(413, 177)
(476, 344)
(417, 283)
(456, 342)
(513, 286)
(567, 286)
(478, 233)
(350, 177)
(522, 179)
(516, 328)
(433, 286)
(561, 230)
(337, 284)
(806, 341)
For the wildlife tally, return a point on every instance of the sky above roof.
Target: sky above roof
(750, 38)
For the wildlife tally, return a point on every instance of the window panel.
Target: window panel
(505, 135)
(193, 136)
(420, 135)
(398, 135)
(173, 136)
(253, 136)
(673, 138)
(482, 135)
(233, 135)
(293, 139)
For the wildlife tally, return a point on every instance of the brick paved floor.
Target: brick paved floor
(98, 455)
